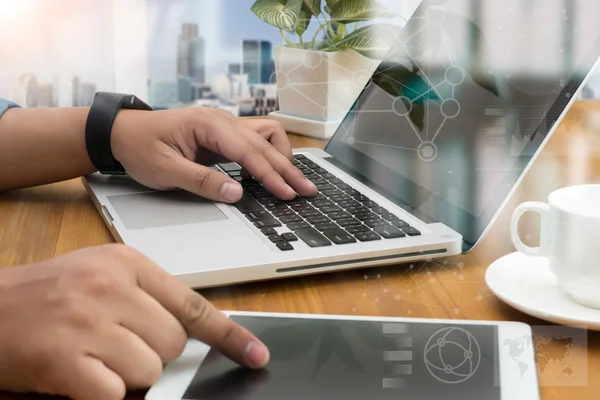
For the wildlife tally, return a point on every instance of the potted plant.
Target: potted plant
(318, 78)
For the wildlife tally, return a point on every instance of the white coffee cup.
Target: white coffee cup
(569, 238)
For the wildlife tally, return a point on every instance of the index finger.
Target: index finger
(201, 319)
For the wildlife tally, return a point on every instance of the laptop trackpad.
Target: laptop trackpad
(164, 208)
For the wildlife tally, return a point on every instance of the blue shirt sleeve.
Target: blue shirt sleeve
(5, 105)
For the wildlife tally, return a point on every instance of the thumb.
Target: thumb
(204, 181)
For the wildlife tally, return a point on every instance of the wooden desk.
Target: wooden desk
(43, 222)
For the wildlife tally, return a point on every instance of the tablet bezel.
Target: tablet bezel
(178, 375)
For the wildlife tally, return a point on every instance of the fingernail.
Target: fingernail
(231, 191)
(257, 354)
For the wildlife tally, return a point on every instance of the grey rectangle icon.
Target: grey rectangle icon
(394, 329)
(393, 383)
(397, 355)
(402, 369)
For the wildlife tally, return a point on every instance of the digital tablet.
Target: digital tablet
(355, 357)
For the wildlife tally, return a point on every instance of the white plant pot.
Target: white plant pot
(316, 89)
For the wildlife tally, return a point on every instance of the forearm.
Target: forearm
(42, 145)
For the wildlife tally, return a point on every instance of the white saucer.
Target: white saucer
(526, 283)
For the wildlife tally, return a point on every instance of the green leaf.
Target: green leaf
(331, 3)
(314, 6)
(282, 14)
(349, 11)
(303, 21)
(327, 9)
(373, 41)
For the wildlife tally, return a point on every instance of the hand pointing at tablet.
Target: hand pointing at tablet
(99, 321)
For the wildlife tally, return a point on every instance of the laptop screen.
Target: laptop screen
(462, 102)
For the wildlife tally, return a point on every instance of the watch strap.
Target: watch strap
(98, 129)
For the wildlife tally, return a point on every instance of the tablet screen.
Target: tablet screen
(348, 359)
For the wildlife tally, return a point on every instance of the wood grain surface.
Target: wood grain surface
(42, 222)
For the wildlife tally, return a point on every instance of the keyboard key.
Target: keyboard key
(257, 215)
(365, 216)
(322, 203)
(248, 204)
(326, 175)
(235, 173)
(268, 231)
(284, 245)
(324, 226)
(289, 236)
(339, 215)
(389, 231)
(297, 225)
(379, 210)
(238, 178)
(283, 212)
(325, 186)
(400, 224)
(331, 192)
(375, 222)
(290, 218)
(317, 197)
(275, 205)
(339, 198)
(348, 222)
(267, 223)
(339, 236)
(312, 237)
(358, 229)
(410, 231)
(357, 210)
(227, 167)
(300, 157)
(275, 238)
(309, 213)
(301, 206)
(370, 204)
(348, 204)
(336, 181)
(367, 236)
(318, 219)
(360, 197)
(330, 209)
(388, 217)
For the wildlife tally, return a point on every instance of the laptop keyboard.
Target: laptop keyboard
(337, 215)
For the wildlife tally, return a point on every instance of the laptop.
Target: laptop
(418, 169)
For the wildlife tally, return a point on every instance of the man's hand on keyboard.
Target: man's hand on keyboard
(98, 321)
(172, 149)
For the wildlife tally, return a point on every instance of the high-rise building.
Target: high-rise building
(25, 91)
(163, 94)
(191, 62)
(88, 91)
(234, 69)
(45, 95)
(76, 91)
(257, 60)
(62, 92)
(184, 89)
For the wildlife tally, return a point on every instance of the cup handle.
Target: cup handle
(542, 209)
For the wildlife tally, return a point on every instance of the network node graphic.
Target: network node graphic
(445, 345)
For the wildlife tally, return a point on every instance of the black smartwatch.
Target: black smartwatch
(99, 125)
